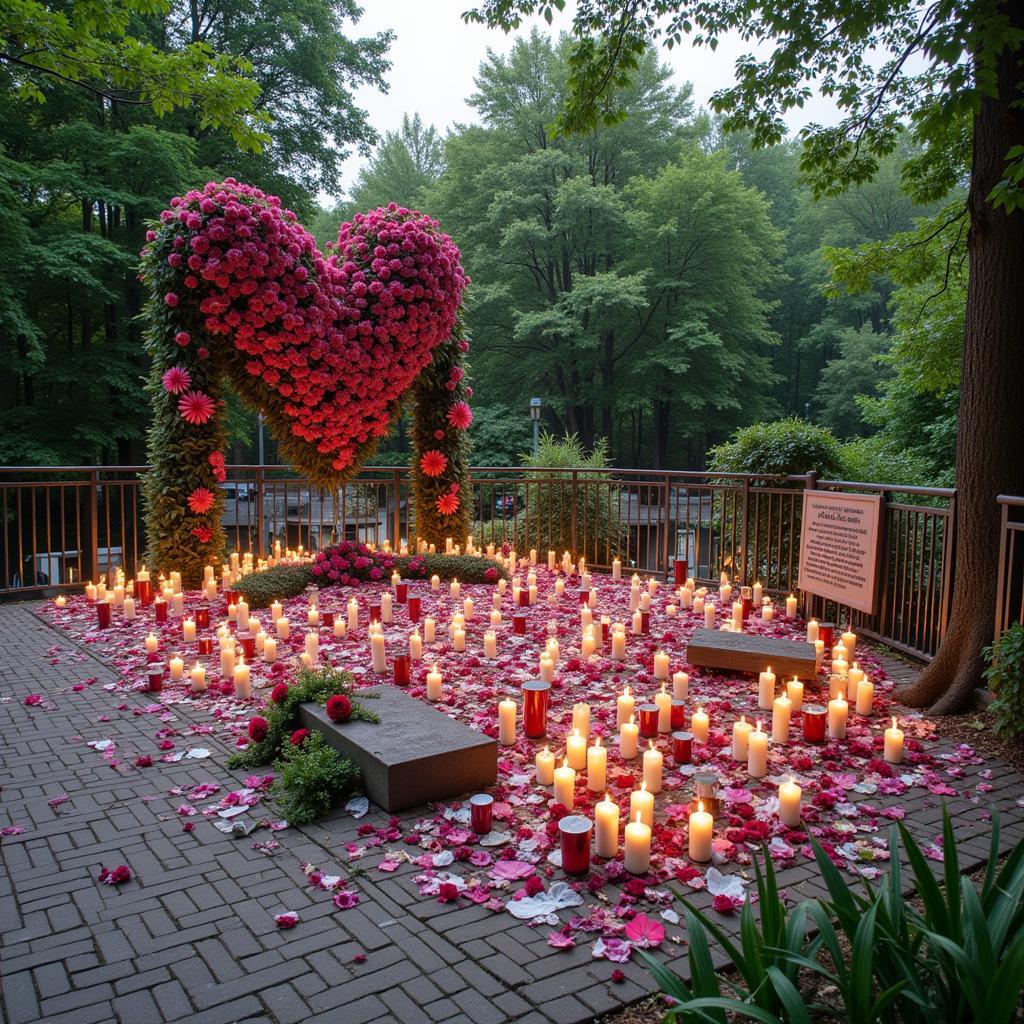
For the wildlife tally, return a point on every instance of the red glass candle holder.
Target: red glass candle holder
(206, 645)
(575, 831)
(535, 708)
(678, 714)
(103, 614)
(648, 714)
(156, 680)
(327, 619)
(203, 616)
(679, 568)
(519, 625)
(815, 721)
(645, 622)
(401, 662)
(523, 597)
(375, 612)
(481, 811)
(143, 592)
(160, 609)
(682, 747)
(247, 641)
(748, 607)
(414, 606)
(606, 631)
(230, 598)
(827, 634)
(584, 596)
(401, 592)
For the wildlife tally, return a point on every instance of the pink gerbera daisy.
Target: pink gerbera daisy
(433, 462)
(460, 416)
(195, 407)
(176, 380)
(200, 500)
(448, 504)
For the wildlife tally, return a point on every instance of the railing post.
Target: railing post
(396, 516)
(810, 484)
(1001, 617)
(668, 548)
(261, 531)
(94, 521)
(744, 532)
(572, 513)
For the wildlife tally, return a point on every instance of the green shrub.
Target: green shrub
(781, 448)
(312, 686)
(314, 777)
(262, 589)
(1005, 675)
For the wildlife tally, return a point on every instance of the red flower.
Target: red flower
(339, 708)
(533, 885)
(176, 380)
(618, 976)
(200, 500)
(723, 904)
(203, 533)
(196, 407)
(279, 692)
(143, 761)
(182, 338)
(448, 504)
(447, 892)
(460, 416)
(115, 876)
(433, 462)
(258, 727)
(171, 299)
(299, 737)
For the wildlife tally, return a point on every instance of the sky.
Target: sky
(435, 56)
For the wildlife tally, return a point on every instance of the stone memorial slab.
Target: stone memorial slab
(741, 652)
(416, 754)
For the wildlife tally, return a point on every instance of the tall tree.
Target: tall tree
(944, 61)
(402, 168)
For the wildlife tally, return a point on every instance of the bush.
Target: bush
(1005, 676)
(314, 777)
(262, 589)
(781, 448)
(545, 521)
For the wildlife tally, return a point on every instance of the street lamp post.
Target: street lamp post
(535, 417)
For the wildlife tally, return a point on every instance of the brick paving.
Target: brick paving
(193, 936)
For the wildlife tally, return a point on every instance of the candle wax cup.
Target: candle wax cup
(481, 809)
(536, 695)
(648, 719)
(682, 747)
(575, 831)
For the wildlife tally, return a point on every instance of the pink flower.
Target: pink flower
(460, 416)
(287, 920)
(201, 500)
(196, 407)
(345, 899)
(115, 876)
(171, 299)
(433, 462)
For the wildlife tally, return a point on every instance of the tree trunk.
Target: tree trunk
(990, 430)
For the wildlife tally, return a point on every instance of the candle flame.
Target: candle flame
(625, 692)
(650, 744)
(758, 725)
(638, 817)
(700, 806)
(597, 742)
(576, 734)
(546, 751)
(643, 786)
(631, 722)
(894, 721)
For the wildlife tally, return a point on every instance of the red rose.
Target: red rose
(258, 729)
(447, 892)
(534, 885)
(618, 976)
(279, 692)
(299, 737)
(143, 761)
(723, 904)
(339, 708)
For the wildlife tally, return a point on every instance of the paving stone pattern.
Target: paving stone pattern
(193, 937)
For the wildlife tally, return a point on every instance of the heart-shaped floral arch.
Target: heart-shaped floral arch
(328, 347)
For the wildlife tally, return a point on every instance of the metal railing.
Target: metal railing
(1010, 581)
(63, 525)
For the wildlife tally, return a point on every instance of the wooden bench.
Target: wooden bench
(416, 754)
(741, 652)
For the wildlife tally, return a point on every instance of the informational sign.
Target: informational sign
(839, 547)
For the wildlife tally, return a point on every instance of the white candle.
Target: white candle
(661, 665)
(664, 703)
(768, 612)
(415, 646)
(628, 735)
(490, 644)
(434, 681)
(283, 628)
(766, 690)
(624, 704)
(564, 784)
(269, 649)
(177, 667)
(638, 621)
(789, 803)
(312, 648)
(725, 592)
(791, 606)
(698, 603)
(709, 615)
(795, 693)
(597, 766)
(128, 607)
(429, 628)
(837, 712)
(680, 685)
(645, 602)
(152, 643)
(242, 688)
(353, 614)
(507, 722)
(854, 675)
(459, 639)
(850, 643)
(757, 593)
(616, 575)
(545, 762)
(737, 616)
(60, 600)
(242, 616)
(606, 828)
(581, 720)
(495, 616)
(641, 802)
(741, 731)
(227, 661)
(378, 656)
(781, 714)
(757, 753)
(198, 677)
(701, 833)
(546, 669)
(699, 725)
(178, 604)
(551, 560)
(894, 743)
(232, 612)
(559, 587)
(467, 609)
(653, 763)
(634, 596)
(618, 645)
(456, 590)
(865, 696)
(588, 645)
(812, 631)
(576, 751)
(638, 847)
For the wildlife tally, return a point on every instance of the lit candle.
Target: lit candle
(353, 614)
(177, 667)
(850, 643)
(198, 678)
(624, 704)
(791, 606)
(725, 593)
(741, 731)
(312, 648)
(638, 621)
(619, 645)
(699, 725)
(283, 628)
(768, 611)
(313, 617)
(60, 600)
(551, 560)
(638, 847)
(606, 822)
(781, 714)
(581, 720)
(128, 607)
(709, 615)
(177, 604)
(597, 766)
(838, 710)
(232, 611)
(894, 743)
(865, 696)
(789, 803)
(429, 628)
(188, 630)
(269, 650)
(242, 688)
(616, 575)
(152, 643)
(812, 631)
(495, 616)
(576, 751)
(507, 722)
(564, 784)
(795, 693)
(490, 644)
(664, 703)
(854, 675)
(766, 690)
(434, 681)
(757, 593)
(545, 761)
(227, 660)
(680, 685)
(378, 656)
(242, 615)
(629, 733)
(559, 587)
(698, 603)
(456, 590)
(415, 646)
(653, 763)
(546, 669)
(458, 639)
(641, 802)
(701, 829)
(757, 753)
(661, 665)
(737, 616)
